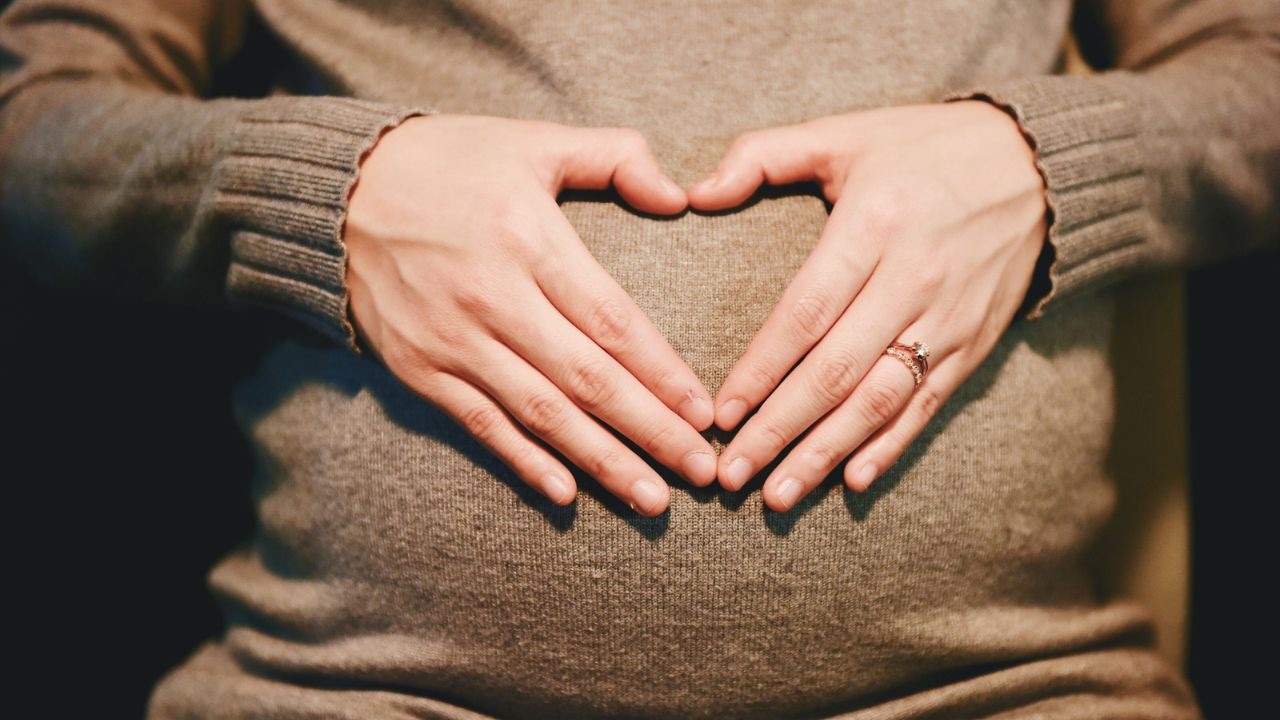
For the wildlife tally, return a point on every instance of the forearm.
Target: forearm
(1171, 160)
(116, 176)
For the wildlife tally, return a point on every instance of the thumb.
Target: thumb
(594, 158)
(776, 156)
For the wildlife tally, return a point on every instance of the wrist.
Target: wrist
(1085, 136)
(1023, 156)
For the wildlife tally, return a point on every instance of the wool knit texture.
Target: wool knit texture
(400, 570)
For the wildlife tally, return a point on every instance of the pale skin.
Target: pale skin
(938, 217)
(471, 286)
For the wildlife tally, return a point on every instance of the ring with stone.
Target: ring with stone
(915, 356)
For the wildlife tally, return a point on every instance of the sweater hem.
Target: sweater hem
(1085, 140)
(283, 186)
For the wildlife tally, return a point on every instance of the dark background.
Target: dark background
(128, 481)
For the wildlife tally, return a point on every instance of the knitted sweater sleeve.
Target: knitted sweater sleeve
(1168, 157)
(118, 170)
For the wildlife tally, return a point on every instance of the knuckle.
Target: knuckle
(545, 413)
(406, 357)
(517, 235)
(504, 229)
(773, 436)
(483, 422)
(662, 380)
(930, 400)
(885, 213)
(879, 402)
(603, 463)
(658, 439)
(810, 316)
(761, 375)
(460, 360)
(521, 453)
(823, 457)
(928, 277)
(419, 364)
(835, 375)
(425, 379)
(590, 383)
(478, 297)
(453, 335)
(609, 321)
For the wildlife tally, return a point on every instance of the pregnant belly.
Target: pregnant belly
(396, 552)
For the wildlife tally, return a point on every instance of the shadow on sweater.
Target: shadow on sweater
(281, 374)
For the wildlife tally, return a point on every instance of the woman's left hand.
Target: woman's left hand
(938, 218)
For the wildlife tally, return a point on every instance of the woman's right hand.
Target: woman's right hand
(469, 283)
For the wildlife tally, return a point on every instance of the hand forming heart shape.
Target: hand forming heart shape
(938, 220)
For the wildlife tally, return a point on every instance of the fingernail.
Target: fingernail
(672, 187)
(865, 475)
(559, 488)
(699, 467)
(698, 410)
(708, 182)
(789, 491)
(647, 495)
(738, 472)
(731, 413)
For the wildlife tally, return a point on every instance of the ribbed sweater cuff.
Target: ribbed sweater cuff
(282, 185)
(1085, 137)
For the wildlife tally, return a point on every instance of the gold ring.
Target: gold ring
(915, 355)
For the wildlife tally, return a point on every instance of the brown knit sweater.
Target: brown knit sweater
(399, 570)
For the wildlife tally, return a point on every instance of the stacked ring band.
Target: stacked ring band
(915, 356)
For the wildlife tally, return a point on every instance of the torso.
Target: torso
(396, 552)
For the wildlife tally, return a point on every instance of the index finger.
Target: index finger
(817, 296)
(593, 301)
